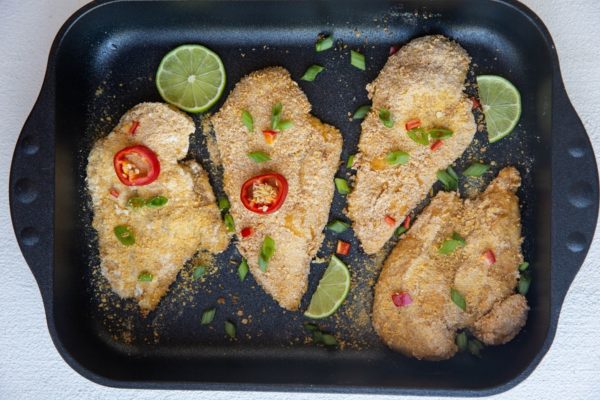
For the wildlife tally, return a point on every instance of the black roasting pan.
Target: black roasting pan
(103, 61)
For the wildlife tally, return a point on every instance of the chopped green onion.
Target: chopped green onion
(419, 135)
(208, 316)
(309, 326)
(397, 157)
(475, 347)
(248, 121)
(523, 266)
(386, 117)
(266, 252)
(317, 336)
(224, 204)
(524, 282)
(452, 173)
(259, 156)
(324, 43)
(145, 276)
(328, 339)
(338, 226)
(199, 271)
(357, 59)
(136, 202)
(447, 180)
(156, 201)
(125, 235)
(230, 329)
(243, 269)
(461, 341)
(276, 115)
(439, 133)
(283, 125)
(342, 186)
(361, 112)
(476, 169)
(229, 224)
(458, 299)
(458, 238)
(400, 230)
(350, 161)
(312, 72)
(450, 245)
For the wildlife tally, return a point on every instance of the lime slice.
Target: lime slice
(191, 77)
(331, 292)
(501, 103)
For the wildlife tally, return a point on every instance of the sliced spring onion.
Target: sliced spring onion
(312, 72)
(229, 224)
(523, 266)
(447, 180)
(259, 156)
(276, 115)
(243, 269)
(342, 186)
(397, 157)
(324, 43)
(458, 299)
(328, 339)
(461, 341)
(208, 316)
(458, 238)
(309, 326)
(452, 173)
(440, 133)
(400, 230)
(475, 347)
(230, 329)
(136, 202)
(224, 204)
(350, 161)
(450, 245)
(266, 252)
(285, 124)
(248, 121)
(125, 235)
(524, 282)
(476, 169)
(419, 135)
(145, 276)
(156, 201)
(199, 271)
(357, 59)
(386, 117)
(338, 226)
(361, 112)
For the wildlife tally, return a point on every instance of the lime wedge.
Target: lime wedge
(501, 103)
(331, 292)
(191, 77)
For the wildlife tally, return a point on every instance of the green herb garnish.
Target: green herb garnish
(229, 224)
(266, 252)
(357, 59)
(523, 266)
(439, 133)
(524, 282)
(342, 186)
(259, 156)
(312, 72)
(397, 157)
(145, 276)
(208, 316)
(248, 121)
(338, 226)
(199, 271)
(243, 269)
(361, 112)
(350, 161)
(447, 179)
(461, 341)
(156, 201)
(136, 202)
(276, 115)
(223, 204)
(324, 43)
(476, 169)
(450, 245)
(452, 173)
(386, 117)
(125, 235)
(458, 299)
(230, 329)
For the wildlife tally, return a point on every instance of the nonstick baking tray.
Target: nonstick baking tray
(103, 62)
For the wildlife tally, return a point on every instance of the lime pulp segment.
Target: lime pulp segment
(501, 103)
(331, 291)
(191, 77)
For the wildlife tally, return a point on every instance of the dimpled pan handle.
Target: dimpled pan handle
(32, 188)
(574, 193)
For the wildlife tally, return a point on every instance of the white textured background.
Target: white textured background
(31, 368)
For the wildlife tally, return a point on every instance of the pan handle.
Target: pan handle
(574, 193)
(31, 189)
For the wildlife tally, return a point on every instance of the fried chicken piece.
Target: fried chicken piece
(307, 155)
(416, 268)
(424, 80)
(165, 237)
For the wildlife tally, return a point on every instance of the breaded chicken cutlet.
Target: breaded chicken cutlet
(159, 212)
(414, 312)
(422, 88)
(278, 175)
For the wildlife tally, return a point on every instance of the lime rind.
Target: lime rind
(195, 94)
(331, 292)
(501, 102)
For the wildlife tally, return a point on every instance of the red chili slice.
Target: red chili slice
(490, 257)
(247, 231)
(412, 124)
(136, 165)
(264, 194)
(133, 127)
(476, 103)
(114, 192)
(343, 248)
(394, 49)
(389, 220)
(436, 145)
(269, 136)
(407, 222)
(401, 299)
